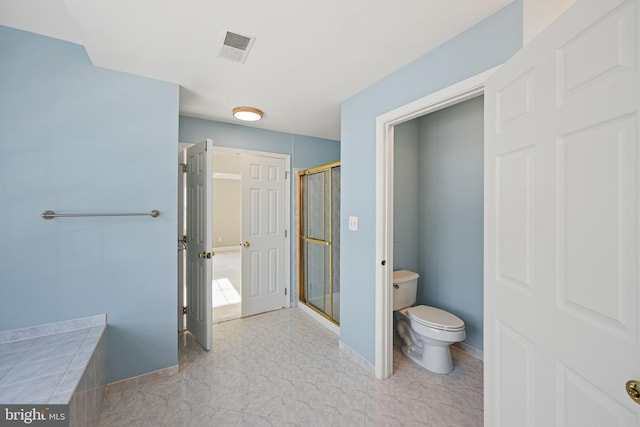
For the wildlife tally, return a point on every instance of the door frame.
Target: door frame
(385, 123)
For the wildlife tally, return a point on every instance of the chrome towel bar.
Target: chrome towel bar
(51, 214)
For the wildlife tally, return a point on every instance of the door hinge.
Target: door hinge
(183, 243)
(184, 167)
(285, 292)
(184, 310)
(285, 233)
(286, 174)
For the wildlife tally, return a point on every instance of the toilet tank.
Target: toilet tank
(405, 286)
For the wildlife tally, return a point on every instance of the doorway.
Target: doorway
(385, 125)
(251, 268)
(438, 211)
(227, 236)
(319, 234)
(249, 225)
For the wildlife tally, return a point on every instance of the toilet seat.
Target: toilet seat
(435, 318)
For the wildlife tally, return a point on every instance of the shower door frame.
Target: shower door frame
(303, 239)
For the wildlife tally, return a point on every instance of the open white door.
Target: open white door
(562, 323)
(199, 176)
(264, 216)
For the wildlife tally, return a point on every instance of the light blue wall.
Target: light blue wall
(77, 138)
(405, 195)
(478, 49)
(305, 151)
(450, 211)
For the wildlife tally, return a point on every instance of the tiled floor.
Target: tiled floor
(226, 301)
(227, 282)
(283, 368)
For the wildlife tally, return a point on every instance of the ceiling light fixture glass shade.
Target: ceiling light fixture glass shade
(248, 114)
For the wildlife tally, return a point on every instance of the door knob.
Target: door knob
(246, 244)
(633, 389)
(205, 255)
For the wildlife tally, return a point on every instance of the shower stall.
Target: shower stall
(320, 239)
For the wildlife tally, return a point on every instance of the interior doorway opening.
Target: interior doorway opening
(385, 125)
(249, 263)
(227, 236)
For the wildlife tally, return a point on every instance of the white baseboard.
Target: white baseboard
(318, 318)
(121, 385)
(478, 354)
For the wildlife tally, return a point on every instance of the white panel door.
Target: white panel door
(199, 176)
(263, 231)
(561, 224)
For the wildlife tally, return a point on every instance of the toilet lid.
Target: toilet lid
(435, 318)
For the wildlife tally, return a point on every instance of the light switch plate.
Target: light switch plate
(353, 223)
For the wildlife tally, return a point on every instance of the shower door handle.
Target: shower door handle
(316, 241)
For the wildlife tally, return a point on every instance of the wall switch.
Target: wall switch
(353, 223)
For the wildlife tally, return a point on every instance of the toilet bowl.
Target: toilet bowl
(426, 332)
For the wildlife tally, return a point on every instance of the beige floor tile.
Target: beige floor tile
(284, 369)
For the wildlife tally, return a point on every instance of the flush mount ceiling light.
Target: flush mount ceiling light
(248, 114)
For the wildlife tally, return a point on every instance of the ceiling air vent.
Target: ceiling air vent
(235, 47)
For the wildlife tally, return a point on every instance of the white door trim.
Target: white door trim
(454, 94)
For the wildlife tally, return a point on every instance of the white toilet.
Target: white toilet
(426, 332)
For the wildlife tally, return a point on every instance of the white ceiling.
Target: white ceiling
(307, 58)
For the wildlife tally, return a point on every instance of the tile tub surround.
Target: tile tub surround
(57, 363)
(285, 369)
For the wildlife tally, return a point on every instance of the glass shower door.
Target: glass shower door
(319, 227)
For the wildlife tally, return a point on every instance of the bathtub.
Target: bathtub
(55, 364)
